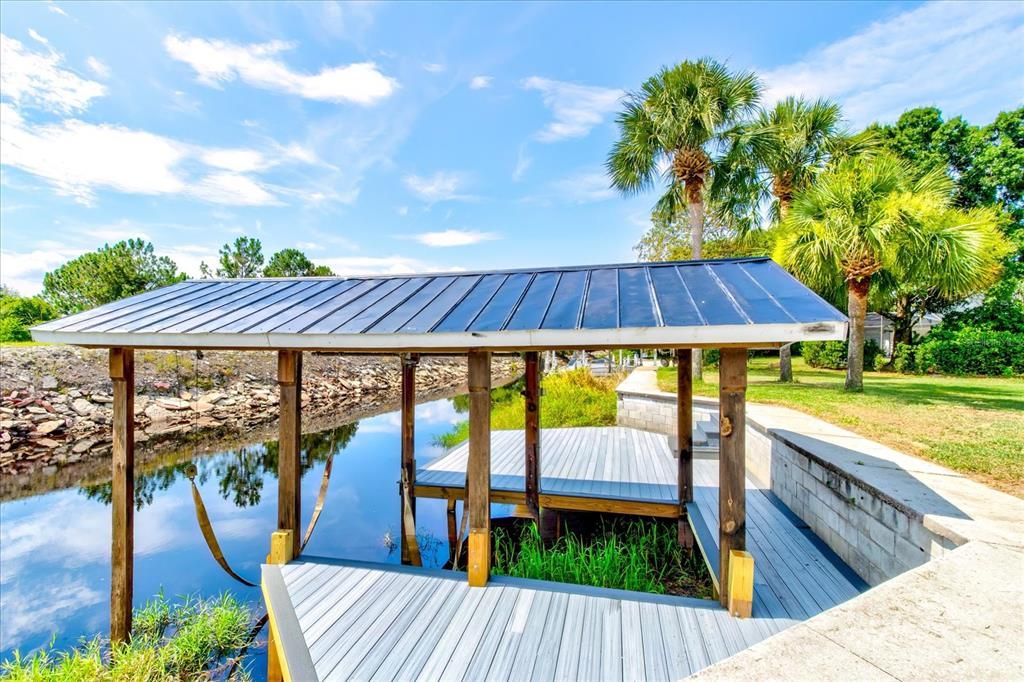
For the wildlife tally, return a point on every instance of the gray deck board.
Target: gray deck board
(401, 623)
(795, 578)
(608, 462)
(364, 621)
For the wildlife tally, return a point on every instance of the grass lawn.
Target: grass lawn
(971, 424)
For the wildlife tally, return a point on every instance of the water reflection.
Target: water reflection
(239, 473)
(55, 547)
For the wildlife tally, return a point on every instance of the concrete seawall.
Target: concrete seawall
(945, 552)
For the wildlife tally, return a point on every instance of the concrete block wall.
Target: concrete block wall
(875, 535)
(648, 412)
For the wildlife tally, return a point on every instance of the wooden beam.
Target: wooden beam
(289, 469)
(532, 398)
(665, 510)
(478, 470)
(684, 436)
(732, 530)
(122, 559)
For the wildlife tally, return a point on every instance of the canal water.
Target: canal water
(55, 547)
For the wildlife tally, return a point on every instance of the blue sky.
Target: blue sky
(410, 137)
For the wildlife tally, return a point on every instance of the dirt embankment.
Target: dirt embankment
(56, 401)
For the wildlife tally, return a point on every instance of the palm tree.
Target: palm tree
(679, 125)
(868, 222)
(793, 142)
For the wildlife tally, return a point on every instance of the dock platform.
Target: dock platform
(347, 620)
(363, 621)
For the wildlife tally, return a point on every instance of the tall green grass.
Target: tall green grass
(199, 639)
(575, 398)
(643, 556)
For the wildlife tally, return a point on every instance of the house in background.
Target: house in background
(879, 329)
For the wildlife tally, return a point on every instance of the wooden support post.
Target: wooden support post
(122, 555)
(684, 436)
(408, 482)
(732, 513)
(478, 474)
(532, 397)
(741, 583)
(289, 469)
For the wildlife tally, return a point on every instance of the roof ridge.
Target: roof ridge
(462, 273)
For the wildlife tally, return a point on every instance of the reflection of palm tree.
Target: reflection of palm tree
(239, 472)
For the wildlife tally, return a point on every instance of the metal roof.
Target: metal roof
(701, 303)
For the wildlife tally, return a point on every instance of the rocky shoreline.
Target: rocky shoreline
(55, 408)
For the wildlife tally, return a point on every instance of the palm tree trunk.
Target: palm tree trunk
(695, 214)
(786, 363)
(786, 352)
(857, 305)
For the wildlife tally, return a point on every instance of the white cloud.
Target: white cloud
(237, 160)
(233, 188)
(480, 82)
(30, 78)
(308, 246)
(523, 163)
(402, 210)
(98, 67)
(23, 270)
(56, 9)
(38, 38)
(576, 108)
(77, 158)
(962, 57)
(218, 61)
(583, 187)
(433, 68)
(387, 265)
(446, 238)
(441, 186)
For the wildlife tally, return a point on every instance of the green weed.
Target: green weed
(642, 556)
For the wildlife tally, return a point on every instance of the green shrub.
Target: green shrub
(825, 354)
(904, 358)
(709, 357)
(199, 639)
(644, 556)
(18, 313)
(12, 329)
(971, 351)
(832, 354)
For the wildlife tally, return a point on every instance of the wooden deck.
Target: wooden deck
(626, 470)
(629, 470)
(349, 620)
(362, 621)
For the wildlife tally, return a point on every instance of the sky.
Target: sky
(395, 138)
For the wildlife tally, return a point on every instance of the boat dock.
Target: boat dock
(364, 621)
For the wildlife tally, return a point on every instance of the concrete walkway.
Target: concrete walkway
(958, 616)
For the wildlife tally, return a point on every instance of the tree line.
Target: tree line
(924, 215)
(130, 267)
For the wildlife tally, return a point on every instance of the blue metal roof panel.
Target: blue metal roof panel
(750, 299)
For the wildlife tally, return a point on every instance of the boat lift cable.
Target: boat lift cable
(205, 525)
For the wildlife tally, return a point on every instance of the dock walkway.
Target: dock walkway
(627, 470)
(363, 621)
(347, 620)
